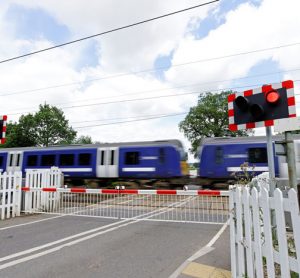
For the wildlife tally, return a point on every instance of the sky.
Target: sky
(108, 85)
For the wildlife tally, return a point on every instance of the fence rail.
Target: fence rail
(261, 243)
(195, 206)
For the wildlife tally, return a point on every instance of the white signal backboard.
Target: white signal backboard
(288, 124)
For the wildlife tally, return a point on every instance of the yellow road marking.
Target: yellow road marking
(205, 271)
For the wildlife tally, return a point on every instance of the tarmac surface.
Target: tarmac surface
(212, 261)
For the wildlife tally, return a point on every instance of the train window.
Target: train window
(1, 161)
(219, 155)
(11, 156)
(84, 159)
(112, 157)
(32, 160)
(161, 155)
(132, 158)
(257, 155)
(48, 160)
(102, 158)
(66, 159)
(18, 159)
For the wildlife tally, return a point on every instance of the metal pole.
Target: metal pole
(291, 161)
(270, 160)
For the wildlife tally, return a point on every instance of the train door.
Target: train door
(218, 159)
(14, 161)
(107, 162)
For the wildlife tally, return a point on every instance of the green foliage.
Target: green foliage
(244, 177)
(21, 134)
(83, 140)
(208, 119)
(46, 127)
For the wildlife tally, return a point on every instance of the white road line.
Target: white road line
(203, 251)
(32, 222)
(58, 241)
(34, 256)
(130, 221)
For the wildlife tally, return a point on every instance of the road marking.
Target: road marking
(203, 251)
(32, 222)
(68, 244)
(129, 221)
(18, 254)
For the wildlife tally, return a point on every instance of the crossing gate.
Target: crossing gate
(195, 206)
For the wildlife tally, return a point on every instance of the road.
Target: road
(72, 246)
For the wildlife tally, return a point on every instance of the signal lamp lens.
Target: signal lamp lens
(272, 97)
(256, 111)
(242, 103)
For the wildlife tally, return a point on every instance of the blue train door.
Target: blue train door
(107, 162)
(14, 161)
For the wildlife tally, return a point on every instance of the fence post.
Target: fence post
(232, 214)
(18, 191)
(4, 192)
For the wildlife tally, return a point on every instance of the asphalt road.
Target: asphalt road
(73, 246)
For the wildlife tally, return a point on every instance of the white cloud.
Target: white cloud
(245, 28)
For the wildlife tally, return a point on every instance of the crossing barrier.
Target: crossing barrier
(196, 206)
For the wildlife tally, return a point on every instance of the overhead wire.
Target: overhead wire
(154, 97)
(108, 31)
(136, 120)
(147, 117)
(171, 88)
(151, 70)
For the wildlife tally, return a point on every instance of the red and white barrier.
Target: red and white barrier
(131, 191)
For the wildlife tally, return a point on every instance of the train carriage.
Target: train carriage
(134, 160)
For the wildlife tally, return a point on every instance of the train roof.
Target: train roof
(242, 140)
(173, 142)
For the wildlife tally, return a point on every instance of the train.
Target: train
(223, 160)
(152, 164)
(138, 162)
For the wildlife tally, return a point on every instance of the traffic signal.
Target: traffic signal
(259, 107)
(3, 120)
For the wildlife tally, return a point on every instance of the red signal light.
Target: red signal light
(272, 97)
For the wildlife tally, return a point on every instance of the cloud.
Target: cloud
(246, 27)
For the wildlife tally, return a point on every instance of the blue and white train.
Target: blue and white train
(135, 160)
(221, 158)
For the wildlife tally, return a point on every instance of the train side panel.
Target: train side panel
(149, 162)
(73, 163)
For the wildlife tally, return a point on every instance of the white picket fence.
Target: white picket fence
(10, 194)
(35, 200)
(11, 185)
(261, 244)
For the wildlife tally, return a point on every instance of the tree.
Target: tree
(208, 119)
(20, 134)
(83, 140)
(52, 127)
(46, 127)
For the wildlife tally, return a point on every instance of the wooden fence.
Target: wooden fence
(41, 178)
(10, 194)
(262, 245)
(10, 191)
